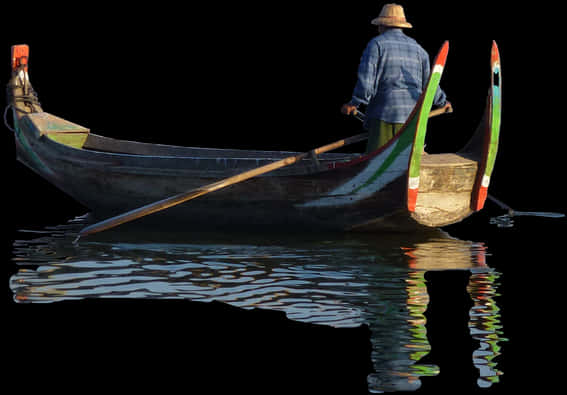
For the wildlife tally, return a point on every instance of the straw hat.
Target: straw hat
(392, 15)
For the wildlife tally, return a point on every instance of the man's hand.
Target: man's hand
(447, 107)
(349, 109)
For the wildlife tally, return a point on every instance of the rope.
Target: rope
(11, 129)
(29, 99)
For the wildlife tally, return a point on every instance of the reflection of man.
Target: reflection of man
(391, 76)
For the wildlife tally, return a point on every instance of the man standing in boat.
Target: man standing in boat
(391, 76)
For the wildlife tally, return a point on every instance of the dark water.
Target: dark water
(338, 281)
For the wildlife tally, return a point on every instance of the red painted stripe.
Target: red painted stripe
(480, 198)
(412, 199)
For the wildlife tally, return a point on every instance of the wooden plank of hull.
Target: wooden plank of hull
(106, 144)
(57, 129)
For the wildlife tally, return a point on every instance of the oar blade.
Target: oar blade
(538, 214)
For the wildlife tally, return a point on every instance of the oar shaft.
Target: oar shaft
(514, 213)
(203, 190)
(443, 110)
(501, 204)
(439, 111)
(184, 197)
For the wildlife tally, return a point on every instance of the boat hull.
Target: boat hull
(398, 187)
(109, 183)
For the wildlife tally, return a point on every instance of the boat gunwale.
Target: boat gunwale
(214, 166)
(129, 147)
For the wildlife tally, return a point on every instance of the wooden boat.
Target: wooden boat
(397, 187)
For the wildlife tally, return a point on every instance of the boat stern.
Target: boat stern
(445, 187)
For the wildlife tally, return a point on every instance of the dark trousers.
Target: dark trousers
(380, 133)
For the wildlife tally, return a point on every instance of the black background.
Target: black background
(273, 76)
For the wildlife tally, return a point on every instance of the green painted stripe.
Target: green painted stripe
(404, 141)
(495, 129)
(415, 161)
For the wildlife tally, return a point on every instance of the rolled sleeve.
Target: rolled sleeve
(440, 98)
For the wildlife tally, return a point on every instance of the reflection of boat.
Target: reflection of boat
(445, 254)
(339, 280)
(396, 186)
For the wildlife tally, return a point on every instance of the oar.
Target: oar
(215, 186)
(515, 213)
(442, 110)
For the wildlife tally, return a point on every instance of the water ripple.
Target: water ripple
(340, 281)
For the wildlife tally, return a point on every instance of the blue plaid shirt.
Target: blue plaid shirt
(392, 74)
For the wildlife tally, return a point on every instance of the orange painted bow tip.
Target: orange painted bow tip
(495, 53)
(20, 55)
(443, 52)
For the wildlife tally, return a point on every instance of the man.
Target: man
(392, 74)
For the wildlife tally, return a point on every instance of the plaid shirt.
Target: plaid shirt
(392, 74)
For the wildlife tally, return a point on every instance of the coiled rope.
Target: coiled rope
(29, 98)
